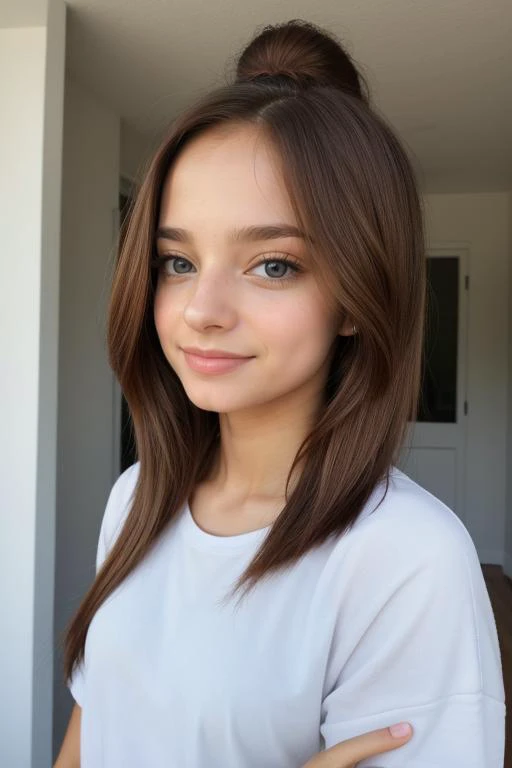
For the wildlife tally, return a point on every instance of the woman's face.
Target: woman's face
(216, 293)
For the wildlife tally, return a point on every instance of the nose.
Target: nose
(211, 302)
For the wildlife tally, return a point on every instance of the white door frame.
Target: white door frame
(437, 435)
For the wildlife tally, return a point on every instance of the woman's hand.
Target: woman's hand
(347, 753)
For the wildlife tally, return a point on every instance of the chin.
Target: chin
(223, 402)
(223, 405)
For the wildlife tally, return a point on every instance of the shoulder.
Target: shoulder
(410, 531)
(126, 482)
(117, 509)
(408, 574)
(121, 495)
(410, 515)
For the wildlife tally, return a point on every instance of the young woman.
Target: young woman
(269, 584)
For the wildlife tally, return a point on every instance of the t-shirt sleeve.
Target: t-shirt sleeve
(116, 509)
(415, 640)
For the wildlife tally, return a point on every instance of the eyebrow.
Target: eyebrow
(253, 233)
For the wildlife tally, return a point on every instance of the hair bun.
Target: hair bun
(303, 53)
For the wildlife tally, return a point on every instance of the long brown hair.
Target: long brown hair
(353, 190)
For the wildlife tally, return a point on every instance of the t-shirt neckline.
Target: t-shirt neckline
(194, 533)
(204, 540)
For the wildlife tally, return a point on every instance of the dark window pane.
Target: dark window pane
(438, 400)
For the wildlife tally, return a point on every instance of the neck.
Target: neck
(257, 450)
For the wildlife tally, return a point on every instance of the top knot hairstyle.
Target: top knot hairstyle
(353, 191)
(303, 53)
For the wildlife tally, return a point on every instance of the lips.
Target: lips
(214, 365)
(217, 354)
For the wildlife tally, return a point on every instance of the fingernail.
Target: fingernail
(400, 729)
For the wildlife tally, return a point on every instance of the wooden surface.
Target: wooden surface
(500, 593)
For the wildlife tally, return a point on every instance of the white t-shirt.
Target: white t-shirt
(389, 622)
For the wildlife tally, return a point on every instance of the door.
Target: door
(434, 451)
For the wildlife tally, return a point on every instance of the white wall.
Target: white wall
(87, 467)
(482, 221)
(136, 150)
(31, 94)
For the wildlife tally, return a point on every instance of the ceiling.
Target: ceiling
(440, 72)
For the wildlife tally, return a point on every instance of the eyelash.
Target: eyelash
(159, 262)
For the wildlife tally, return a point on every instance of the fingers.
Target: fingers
(349, 752)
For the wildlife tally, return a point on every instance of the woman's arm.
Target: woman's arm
(69, 755)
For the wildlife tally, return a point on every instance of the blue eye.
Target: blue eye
(287, 263)
(178, 262)
(160, 263)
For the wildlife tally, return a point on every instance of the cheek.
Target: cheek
(162, 314)
(301, 332)
(161, 307)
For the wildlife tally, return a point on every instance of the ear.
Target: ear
(347, 329)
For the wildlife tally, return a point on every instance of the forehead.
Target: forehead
(229, 172)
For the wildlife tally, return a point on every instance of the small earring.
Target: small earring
(354, 330)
